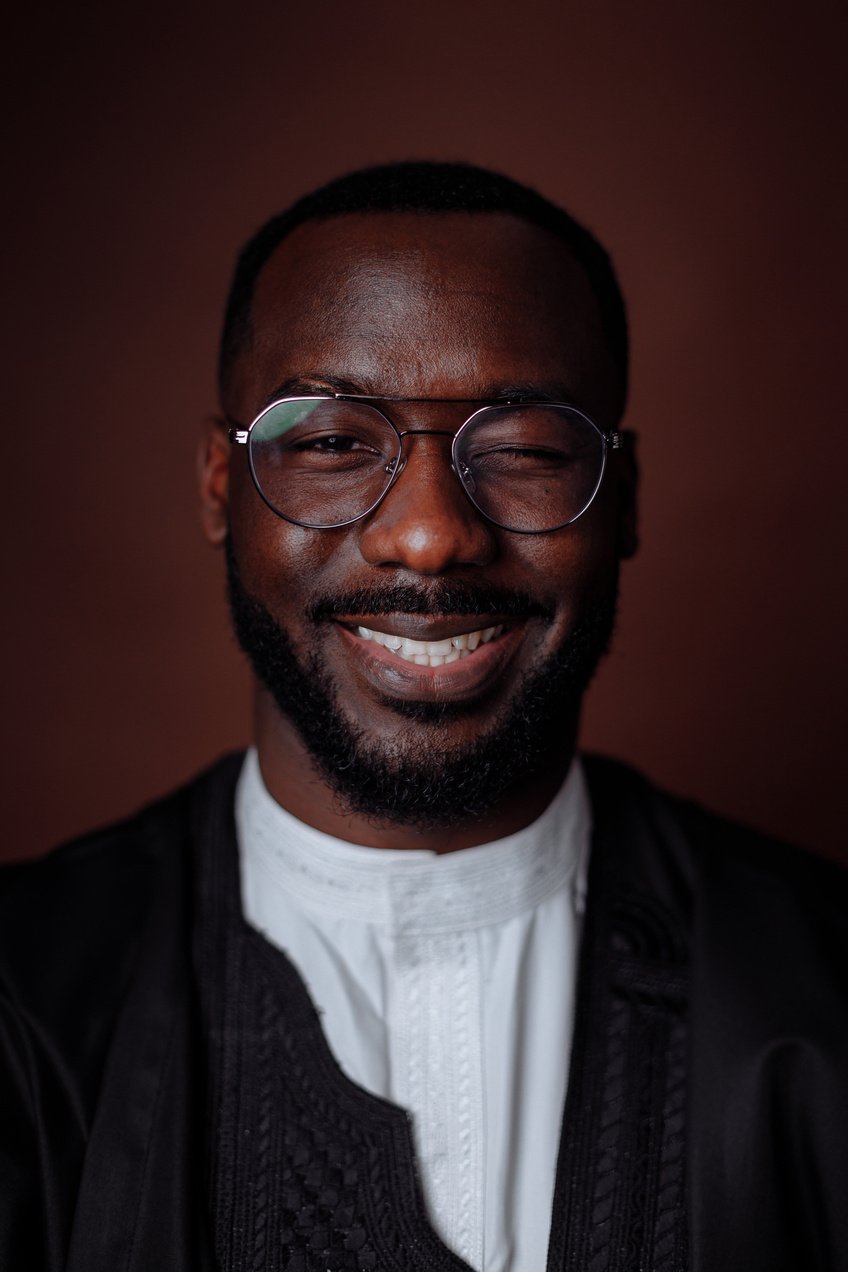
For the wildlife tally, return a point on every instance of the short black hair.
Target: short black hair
(420, 186)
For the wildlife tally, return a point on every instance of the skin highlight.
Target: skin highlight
(427, 306)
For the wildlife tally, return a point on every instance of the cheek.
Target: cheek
(596, 533)
(280, 563)
(572, 566)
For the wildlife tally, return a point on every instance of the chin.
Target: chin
(434, 768)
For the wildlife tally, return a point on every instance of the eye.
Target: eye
(519, 455)
(529, 442)
(332, 452)
(327, 452)
(332, 443)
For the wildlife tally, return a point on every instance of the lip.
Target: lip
(455, 682)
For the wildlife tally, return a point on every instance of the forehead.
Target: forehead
(426, 305)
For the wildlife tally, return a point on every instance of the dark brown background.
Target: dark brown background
(705, 143)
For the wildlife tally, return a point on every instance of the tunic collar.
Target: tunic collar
(419, 891)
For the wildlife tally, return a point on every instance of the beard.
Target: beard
(423, 782)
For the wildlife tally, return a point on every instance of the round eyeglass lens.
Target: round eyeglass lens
(530, 468)
(321, 462)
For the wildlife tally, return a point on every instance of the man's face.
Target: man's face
(477, 307)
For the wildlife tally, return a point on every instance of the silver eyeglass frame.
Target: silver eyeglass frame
(240, 436)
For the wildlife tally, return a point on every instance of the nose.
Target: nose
(426, 523)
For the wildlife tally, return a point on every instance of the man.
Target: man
(409, 986)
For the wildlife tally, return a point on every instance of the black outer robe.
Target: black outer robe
(167, 1100)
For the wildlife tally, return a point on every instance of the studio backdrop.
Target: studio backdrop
(704, 145)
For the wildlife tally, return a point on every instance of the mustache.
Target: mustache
(444, 598)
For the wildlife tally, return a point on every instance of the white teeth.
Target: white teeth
(438, 648)
(432, 653)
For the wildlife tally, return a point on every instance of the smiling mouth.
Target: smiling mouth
(432, 653)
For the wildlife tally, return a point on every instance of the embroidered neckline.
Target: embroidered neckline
(418, 892)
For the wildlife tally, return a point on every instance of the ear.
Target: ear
(628, 505)
(213, 467)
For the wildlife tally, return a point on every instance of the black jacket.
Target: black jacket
(168, 1101)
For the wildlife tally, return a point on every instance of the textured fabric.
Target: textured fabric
(139, 1014)
(446, 985)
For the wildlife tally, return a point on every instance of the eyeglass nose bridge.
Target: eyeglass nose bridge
(395, 466)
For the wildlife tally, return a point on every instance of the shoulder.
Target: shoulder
(94, 960)
(713, 851)
(71, 922)
(759, 911)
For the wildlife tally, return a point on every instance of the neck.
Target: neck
(294, 782)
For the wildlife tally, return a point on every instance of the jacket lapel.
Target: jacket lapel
(620, 1191)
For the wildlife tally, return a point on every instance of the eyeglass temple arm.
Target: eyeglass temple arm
(237, 434)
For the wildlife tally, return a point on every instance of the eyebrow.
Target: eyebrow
(511, 391)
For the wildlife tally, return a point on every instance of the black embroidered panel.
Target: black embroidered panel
(620, 1198)
(309, 1173)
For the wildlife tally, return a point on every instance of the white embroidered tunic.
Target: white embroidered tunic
(445, 984)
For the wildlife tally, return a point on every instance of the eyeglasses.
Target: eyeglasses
(326, 461)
